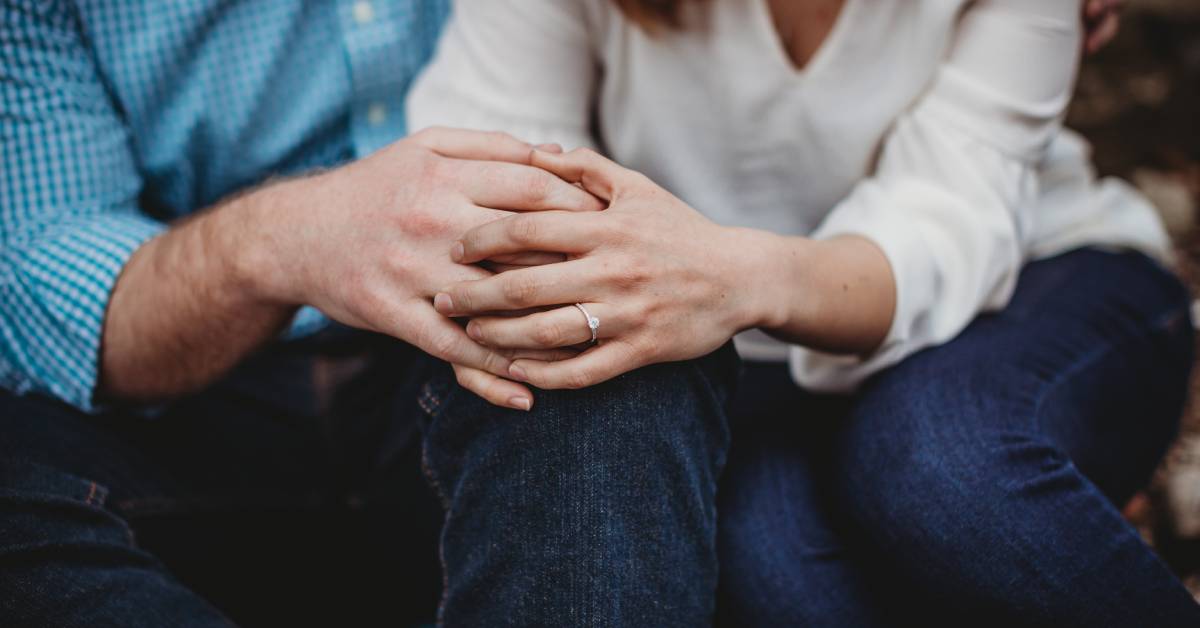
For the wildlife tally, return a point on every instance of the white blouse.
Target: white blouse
(932, 127)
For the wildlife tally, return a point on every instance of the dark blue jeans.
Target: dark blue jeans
(266, 500)
(977, 483)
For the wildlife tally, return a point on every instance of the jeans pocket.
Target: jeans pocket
(41, 505)
(22, 479)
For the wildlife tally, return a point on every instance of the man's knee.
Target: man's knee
(603, 494)
(665, 414)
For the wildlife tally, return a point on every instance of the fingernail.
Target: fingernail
(443, 303)
(473, 331)
(516, 373)
(520, 403)
(458, 252)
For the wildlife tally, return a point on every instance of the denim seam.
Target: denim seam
(1158, 325)
(431, 477)
(435, 408)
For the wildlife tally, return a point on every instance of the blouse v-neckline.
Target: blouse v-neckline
(781, 58)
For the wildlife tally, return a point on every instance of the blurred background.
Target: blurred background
(1138, 101)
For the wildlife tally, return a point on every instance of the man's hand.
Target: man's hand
(372, 250)
(367, 244)
(666, 283)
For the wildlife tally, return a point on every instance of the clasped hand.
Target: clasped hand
(666, 283)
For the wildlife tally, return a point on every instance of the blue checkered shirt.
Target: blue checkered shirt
(118, 116)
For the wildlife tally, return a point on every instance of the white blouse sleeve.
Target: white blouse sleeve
(525, 67)
(951, 200)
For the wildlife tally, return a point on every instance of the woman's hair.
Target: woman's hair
(653, 13)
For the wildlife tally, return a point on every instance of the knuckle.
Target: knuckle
(577, 378)
(548, 335)
(439, 170)
(426, 224)
(494, 362)
(442, 344)
(648, 348)
(433, 131)
(423, 136)
(463, 299)
(629, 275)
(399, 260)
(499, 137)
(426, 168)
(520, 291)
(361, 288)
(539, 185)
(523, 230)
(613, 230)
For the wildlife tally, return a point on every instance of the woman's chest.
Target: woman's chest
(721, 114)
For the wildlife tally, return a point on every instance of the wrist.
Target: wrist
(763, 270)
(257, 235)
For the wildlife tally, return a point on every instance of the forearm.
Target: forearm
(187, 307)
(836, 295)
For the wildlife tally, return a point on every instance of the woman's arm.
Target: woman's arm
(950, 202)
(906, 261)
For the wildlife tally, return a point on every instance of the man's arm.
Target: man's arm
(367, 244)
(68, 204)
(184, 309)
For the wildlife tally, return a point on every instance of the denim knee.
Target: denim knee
(585, 510)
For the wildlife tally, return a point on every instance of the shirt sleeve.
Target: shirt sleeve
(950, 202)
(69, 218)
(525, 67)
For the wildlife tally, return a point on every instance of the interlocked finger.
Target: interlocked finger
(564, 326)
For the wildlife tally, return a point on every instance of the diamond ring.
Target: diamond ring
(593, 323)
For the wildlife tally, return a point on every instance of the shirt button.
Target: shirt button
(363, 12)
(376, 114)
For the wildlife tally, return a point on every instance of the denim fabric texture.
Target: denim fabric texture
(977, 483)
(251, 502)
(599, 510)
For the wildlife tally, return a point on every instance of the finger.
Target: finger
(533, 258)
(495, 390)
(542, 355)
(1093, 10)
(562, 232)
(595, 173)
(450, 274)
(596, 365)
(480, 145)
(551, 148)
(561, 327)
(516, 187)
(1103, 33)
(441, 338)
(519, 289)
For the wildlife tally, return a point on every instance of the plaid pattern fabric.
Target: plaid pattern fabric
(117, 116)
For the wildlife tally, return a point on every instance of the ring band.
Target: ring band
(593, 323)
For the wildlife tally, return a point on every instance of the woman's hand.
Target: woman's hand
(666, 283)
(1102, 19)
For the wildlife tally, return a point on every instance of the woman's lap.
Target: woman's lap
(978, 476)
